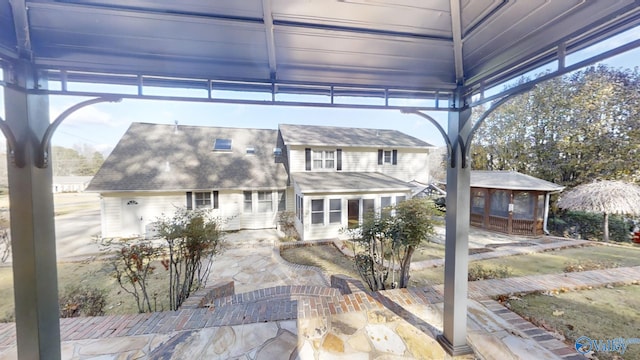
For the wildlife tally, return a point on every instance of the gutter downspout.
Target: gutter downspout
(546, 211)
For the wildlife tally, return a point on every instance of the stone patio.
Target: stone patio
(259, 314)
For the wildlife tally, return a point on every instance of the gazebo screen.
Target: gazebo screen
(508, 211)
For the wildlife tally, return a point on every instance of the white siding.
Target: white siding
(110, 215)
(117, 218)
(413, 164)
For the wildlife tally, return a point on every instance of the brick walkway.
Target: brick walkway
(509, 251)
(575, 280)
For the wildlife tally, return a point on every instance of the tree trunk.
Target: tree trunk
(606, 227)
(404, 269)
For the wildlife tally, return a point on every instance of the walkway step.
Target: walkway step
(278, 292)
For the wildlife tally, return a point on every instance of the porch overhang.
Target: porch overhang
(347, 182)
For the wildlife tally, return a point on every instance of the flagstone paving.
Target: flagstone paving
(314, 321)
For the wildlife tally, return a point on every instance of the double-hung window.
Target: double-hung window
(317, 211)
(324, 159)
(206, 200)
(335, 211)
(265, 201)
(387, 156)
(248, 202)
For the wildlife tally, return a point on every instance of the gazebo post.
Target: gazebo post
(454, 337)
(32, 217)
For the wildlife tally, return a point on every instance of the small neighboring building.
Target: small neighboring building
(70, 183)
(328, 176)
(510, 202)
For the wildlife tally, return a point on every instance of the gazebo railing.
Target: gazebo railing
(497, 223)
(477, 220)
(523, 227)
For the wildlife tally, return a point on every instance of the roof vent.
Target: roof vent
(277, 151)
(251, 150)
(222, 145)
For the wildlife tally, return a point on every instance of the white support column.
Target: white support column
(454, 337)
(32, 220)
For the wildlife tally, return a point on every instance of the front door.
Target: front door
(131, 217)
(353, 210)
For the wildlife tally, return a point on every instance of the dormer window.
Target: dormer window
(222, 145)
(251, 151)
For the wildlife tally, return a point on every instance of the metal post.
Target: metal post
(32, 222)
(454, 337)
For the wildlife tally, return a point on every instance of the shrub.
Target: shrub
(588, 226)
(82, 301)
(479, 272)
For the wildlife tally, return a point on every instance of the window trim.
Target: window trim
(321, 211)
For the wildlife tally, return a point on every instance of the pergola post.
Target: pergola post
(32, 218)
(454, 337)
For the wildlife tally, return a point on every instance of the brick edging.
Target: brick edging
(542, 337)
(323, 274)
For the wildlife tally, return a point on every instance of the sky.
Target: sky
(102, 125)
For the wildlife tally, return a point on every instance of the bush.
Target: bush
(479, 272)
(588, 226)
(286, 220)
(82, 301)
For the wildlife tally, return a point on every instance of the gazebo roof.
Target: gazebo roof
(511, 180)
(390, 49)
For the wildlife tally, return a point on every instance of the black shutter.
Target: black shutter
(339, 159)
(307, 159)
(189, 200)
(215, 199)
(380, 155)
(394, 158)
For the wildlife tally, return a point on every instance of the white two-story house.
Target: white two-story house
(328, 176)
(338, 174)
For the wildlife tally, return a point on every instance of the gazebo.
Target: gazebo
(510, 202)
(414, 56)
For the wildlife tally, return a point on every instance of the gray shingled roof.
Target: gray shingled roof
(325, 182)
(511, 180)
(343, 136)
(153, 157)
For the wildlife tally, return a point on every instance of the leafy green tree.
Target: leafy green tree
(568, 130)
(387, 243)
(410, 226)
